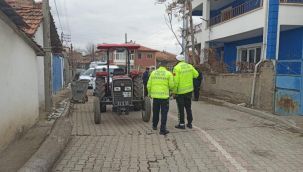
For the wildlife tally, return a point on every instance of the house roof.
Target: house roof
(12, 15)
(16, 22)
(32, 15)
(165, 56)
(146, 49)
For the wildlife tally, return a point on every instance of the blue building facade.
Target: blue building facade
(246, 32)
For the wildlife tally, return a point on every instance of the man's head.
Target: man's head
(147, 69)
(180, 57)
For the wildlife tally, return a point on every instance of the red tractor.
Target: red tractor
(121, 88)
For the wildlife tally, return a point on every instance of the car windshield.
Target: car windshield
(88, 72)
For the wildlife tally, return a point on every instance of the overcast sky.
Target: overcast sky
(106, 21)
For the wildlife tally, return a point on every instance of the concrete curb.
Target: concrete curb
(50, 150)
(258, 113)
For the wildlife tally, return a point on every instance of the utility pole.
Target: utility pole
(192, 34)
(48, 56)
(125, 38)
(184, 32)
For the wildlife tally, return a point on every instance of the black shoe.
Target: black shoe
(189, 126)
(164, 132)
(196, 99)
(180, 126)
(154, 128)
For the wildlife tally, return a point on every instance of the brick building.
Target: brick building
(145, 57)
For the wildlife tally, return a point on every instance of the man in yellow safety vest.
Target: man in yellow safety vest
(159, 85)
(184, 74)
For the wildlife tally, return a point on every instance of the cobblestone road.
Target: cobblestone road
(222, 140)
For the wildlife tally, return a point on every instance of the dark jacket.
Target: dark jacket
(198, 81)
(145, 77)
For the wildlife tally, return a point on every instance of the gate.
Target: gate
(288, 91)
(57, 73)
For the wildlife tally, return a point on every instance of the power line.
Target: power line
(58, 15)
(66, 16)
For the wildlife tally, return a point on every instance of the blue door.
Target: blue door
(57, 73)
(289, 73)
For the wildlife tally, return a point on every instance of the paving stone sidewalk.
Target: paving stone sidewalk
(223, 140)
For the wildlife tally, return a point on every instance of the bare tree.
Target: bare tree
(90, 50)
(177, 8)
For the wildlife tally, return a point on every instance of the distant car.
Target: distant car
(96, 64)
(89, 76)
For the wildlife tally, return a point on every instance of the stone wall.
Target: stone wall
(237, 87)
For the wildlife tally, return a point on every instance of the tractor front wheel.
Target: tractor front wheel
(97, 114)
(146, 110)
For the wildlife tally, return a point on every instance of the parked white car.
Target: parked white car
(96, 64)
(89, 76)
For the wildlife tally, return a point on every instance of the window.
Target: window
(139, 55)
(248, 55)
(119, 56)
(149, 55)
(132, 56)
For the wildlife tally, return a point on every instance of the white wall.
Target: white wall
(291, 14)
(38, 37)
(247, 22)
(19, 107)
(41, 91)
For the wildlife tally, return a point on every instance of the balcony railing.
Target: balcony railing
(236, 11)
(292, 1)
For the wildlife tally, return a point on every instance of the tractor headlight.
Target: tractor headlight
(117, 88)
(127, 88)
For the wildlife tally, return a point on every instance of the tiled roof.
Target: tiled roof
(142, 48)
(10, 13)
(17, 3)
(20, 25)
(165, 56)
(32, 15)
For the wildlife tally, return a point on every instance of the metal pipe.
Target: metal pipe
(252, 97)
(128, 61)
(108, 73)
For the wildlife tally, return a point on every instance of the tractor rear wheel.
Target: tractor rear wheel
(100, 91)
(146, 111)
(138, 87)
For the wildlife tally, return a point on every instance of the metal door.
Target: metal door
(288, 92)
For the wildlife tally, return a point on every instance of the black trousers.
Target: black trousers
(184, 101)
(163, 106)
(196, 92)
